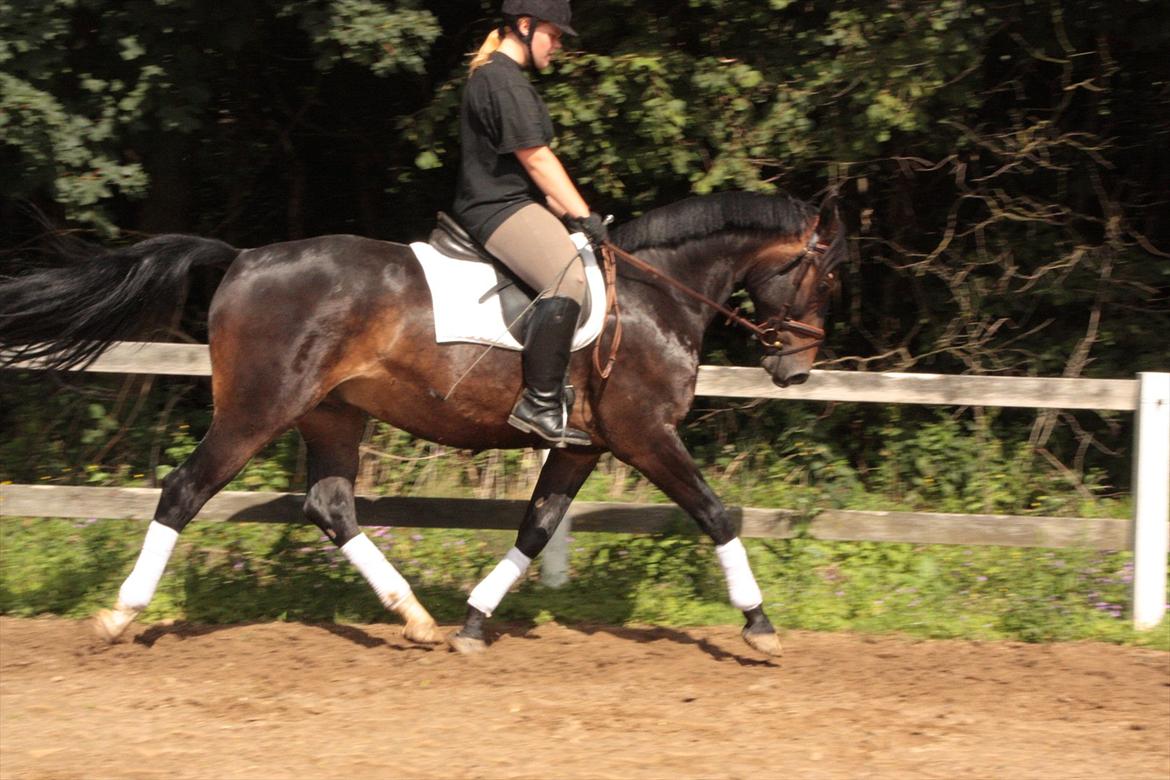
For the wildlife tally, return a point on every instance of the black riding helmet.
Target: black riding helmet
(554, 11)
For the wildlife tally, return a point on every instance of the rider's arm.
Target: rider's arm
(556, 208)
(546, 170)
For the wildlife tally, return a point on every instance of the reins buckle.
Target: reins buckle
(770, 337)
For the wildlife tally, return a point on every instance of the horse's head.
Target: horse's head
(791, 284)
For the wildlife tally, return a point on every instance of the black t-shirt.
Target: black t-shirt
(501, 113)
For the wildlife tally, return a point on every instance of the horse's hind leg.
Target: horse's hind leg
(219, 457)
(332, 434)
(560, 479)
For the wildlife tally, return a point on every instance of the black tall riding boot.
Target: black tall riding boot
(542, 408)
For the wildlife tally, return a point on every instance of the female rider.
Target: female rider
(513, 194)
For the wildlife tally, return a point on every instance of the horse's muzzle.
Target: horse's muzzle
(786, 370)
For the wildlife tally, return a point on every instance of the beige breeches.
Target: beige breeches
(536, 246)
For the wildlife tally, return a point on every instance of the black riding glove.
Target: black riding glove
(593, 226)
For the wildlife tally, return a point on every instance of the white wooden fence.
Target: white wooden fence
(1147, 534)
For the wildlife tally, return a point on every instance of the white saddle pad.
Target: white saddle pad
(467, 306)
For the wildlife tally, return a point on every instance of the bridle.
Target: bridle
(768, 333)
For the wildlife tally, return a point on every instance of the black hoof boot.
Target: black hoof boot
(759, 633)
(469, 640)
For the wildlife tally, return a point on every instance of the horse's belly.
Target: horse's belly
(474, 424)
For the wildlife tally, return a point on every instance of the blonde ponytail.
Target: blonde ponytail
(490, 44)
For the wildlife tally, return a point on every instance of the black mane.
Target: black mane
(705, 215)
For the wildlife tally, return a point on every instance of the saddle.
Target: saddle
(449, 238)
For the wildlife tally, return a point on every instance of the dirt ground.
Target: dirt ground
(291, 700)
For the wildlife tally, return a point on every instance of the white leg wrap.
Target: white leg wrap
(390, 586)
(741, 583)
(139, 587)
(489, 593)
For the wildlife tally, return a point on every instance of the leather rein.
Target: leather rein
(767, 334)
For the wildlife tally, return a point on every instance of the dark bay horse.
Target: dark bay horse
(318, 334)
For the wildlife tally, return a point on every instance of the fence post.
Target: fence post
(554, 561)
(1151, 499)
(554, 567)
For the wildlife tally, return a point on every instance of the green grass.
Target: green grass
(239, 572)
(235, 572)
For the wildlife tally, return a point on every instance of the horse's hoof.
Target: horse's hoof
(424, 633)
(765, 642)
(467, 645)
(420, 626)
(111, 624)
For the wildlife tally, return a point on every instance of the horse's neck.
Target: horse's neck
(712, 267)
(709, 267)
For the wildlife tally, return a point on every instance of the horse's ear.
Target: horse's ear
(828, 217)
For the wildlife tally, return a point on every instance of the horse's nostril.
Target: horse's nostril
(798, 379)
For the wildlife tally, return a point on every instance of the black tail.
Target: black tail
(67, 315)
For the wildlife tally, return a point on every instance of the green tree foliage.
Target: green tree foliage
(1001, 166)
(177, 103)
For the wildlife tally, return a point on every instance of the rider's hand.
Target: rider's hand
(593, 226)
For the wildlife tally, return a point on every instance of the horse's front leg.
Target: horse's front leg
(664, 460)
(560, 479)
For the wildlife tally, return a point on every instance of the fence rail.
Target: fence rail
(1147, 534)
(503, 514)
(139, 357)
